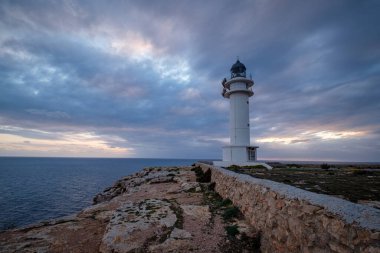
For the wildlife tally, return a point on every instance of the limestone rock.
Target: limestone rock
(180, 234)
(134, 223)
(188, 186)
(172, 245)
(158, 180)
(198, 212)
(131, 183)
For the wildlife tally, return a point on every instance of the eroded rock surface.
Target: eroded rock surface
(155, 210)
(133, 223)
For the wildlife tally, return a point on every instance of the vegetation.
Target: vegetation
(179, 213)
(240, 242)
(325, 166)
(358, 172)
(293, 165)
(202, 177)
(237, 242)
(353, 183)
(259, 166)
(234, 167)
(226, 202)
(230, 213)
(232, 230)
(214, 201)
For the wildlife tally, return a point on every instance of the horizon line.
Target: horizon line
(199, 159)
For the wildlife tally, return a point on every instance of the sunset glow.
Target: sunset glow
(143, 79)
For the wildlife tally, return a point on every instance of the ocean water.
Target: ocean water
(37, 189)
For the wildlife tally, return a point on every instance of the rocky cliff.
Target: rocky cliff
(156, 210)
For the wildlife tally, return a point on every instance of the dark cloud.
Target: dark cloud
(148, 74)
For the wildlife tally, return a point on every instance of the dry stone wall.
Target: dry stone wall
(294, 220)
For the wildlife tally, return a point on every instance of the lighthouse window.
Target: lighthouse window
(247, 102)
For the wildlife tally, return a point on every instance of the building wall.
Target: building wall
(293, 220)
(239, 118)
(235, 153)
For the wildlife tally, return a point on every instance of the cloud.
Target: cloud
(149, 72)
(66, 144)
(190, 94)
(49, 114)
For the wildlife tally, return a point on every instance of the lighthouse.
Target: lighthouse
(238, 89)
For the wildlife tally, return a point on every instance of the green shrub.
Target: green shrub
(358, 172)
(234, 167)
(226, 202)
(251, 244)
(232, 230)
(325, 166)
(230, 213)
(211, 186)
(259, 166)
(202, 177)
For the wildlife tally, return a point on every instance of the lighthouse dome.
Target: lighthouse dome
(238, 70)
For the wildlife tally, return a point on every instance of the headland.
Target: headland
(205, 208)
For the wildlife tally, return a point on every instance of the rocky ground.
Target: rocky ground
(156, 210)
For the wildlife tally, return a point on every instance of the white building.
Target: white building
(238, 89)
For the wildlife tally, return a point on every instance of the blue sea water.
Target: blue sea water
(36, 189)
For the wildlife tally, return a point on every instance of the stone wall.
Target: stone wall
(294, 220)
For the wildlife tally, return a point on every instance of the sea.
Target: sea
(38, 189)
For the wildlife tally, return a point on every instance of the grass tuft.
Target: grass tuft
(232, 230)
(230, 213)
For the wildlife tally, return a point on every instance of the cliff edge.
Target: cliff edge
(170, 209)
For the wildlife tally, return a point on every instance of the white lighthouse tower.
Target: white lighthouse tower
(238, 89)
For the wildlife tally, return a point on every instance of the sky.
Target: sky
(143, 78)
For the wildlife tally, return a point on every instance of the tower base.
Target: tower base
(241, 156)
(229, 163)
(240, 153)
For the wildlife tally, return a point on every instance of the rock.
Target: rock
(135, 215)
(295, 226)
(180, 234)
(157, 174)
(280, 204)
(133, 224)
(337, 247)
(371, 249)
(199, 212)
(310, 209)
(172, 245)
(134, 182)
(158, 180)
(375, 236)
(107, 195)
(120, 187)
(336, 228)
(188, 186)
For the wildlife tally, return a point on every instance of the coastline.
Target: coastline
(201, 208)
(38, 189)
(159, 209)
